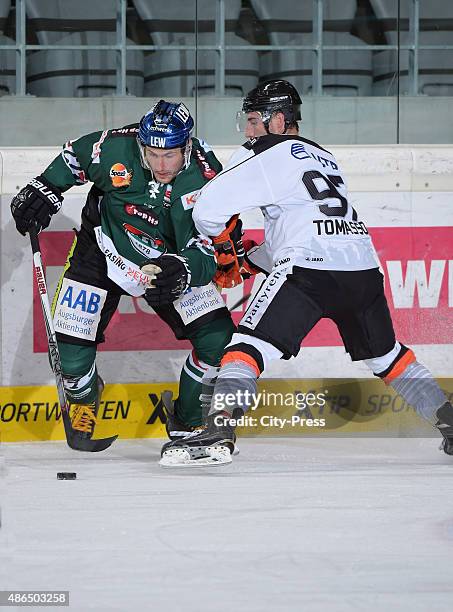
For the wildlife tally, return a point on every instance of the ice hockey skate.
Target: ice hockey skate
(445, 426)
(174, 427)
(213, 444)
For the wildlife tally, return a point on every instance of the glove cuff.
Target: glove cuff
(225, 236)
(185, 262)
(47, 192)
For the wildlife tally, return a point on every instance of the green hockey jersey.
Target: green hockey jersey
(138, 218)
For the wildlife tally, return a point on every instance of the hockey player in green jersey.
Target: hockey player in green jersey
(137, 237)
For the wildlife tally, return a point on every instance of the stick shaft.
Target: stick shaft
(54, 353)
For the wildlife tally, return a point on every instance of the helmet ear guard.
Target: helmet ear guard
(187, 151)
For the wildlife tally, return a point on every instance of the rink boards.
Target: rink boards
(403, 193)
(295, 408)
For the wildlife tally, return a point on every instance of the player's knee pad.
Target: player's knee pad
(254, 352)
(393, 364)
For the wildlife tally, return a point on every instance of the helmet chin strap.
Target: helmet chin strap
(187, 150)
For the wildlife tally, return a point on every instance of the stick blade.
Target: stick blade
(76, 442)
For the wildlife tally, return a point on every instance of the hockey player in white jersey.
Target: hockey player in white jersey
(322, 264)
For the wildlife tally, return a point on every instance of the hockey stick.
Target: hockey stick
(73, 437)
(243, 299)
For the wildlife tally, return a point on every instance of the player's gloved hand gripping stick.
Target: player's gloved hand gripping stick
(229, 254)
(73, 438)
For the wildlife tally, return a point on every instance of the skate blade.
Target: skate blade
(179, 457)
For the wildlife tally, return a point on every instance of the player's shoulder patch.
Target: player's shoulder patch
(299, 151)
(120, 175)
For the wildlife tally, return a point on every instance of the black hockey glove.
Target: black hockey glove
(170, 276)
(35, 204)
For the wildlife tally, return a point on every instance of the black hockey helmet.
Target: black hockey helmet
(272, 96)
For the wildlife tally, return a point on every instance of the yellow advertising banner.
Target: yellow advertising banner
(291, 407)
(131, 411)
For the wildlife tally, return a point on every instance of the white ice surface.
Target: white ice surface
(312, 525)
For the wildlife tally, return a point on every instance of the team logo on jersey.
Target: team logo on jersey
(138, 211)
(188, 199)
(143, 243)
(153, 189)
(298, 151)
(120, 175)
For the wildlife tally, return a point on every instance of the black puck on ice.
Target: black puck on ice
(66, 475)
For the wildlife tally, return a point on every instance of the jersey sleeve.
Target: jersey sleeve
(197, 249)
(73, 165)
(198, 252)
(239, 188)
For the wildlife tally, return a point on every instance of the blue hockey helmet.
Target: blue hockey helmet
(167, 125)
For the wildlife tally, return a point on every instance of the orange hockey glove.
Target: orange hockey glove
(229, 254)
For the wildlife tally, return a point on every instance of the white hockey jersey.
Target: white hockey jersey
(302, 194)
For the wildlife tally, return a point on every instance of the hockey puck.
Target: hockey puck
(66, 475)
